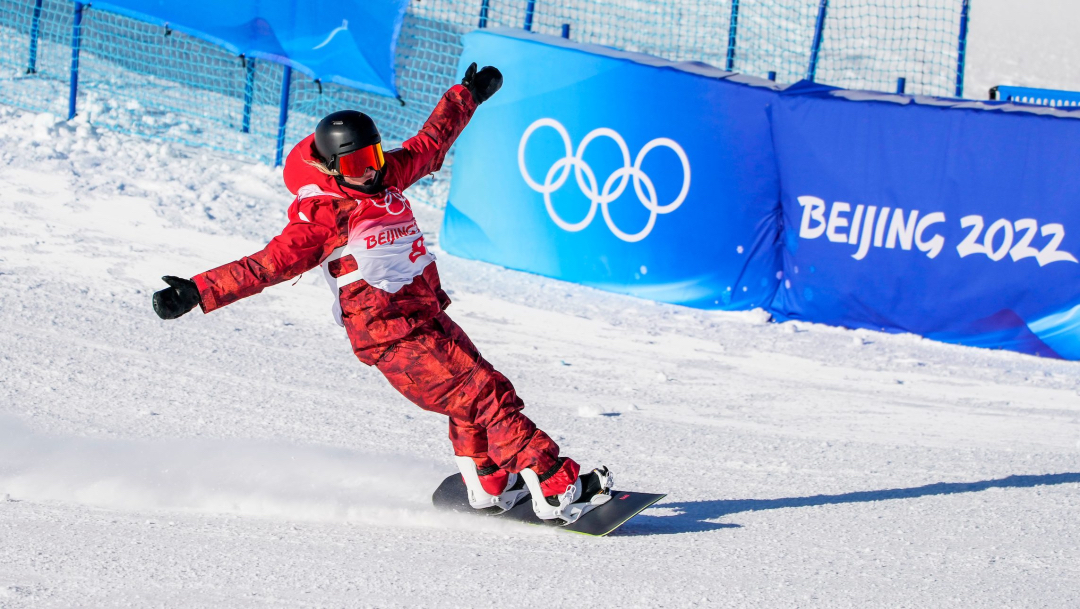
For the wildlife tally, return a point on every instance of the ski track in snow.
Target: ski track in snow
(246, 459)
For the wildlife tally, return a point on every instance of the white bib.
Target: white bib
(389, 250)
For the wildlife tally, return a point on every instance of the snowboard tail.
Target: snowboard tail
(624, 505)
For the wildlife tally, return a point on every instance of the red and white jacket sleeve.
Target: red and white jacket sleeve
(423, 153)
(301, 246)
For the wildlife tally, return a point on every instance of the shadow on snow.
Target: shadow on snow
(695, 516)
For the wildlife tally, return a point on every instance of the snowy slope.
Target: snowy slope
(1029, 43)
(246, 459)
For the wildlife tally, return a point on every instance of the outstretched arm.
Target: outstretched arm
(301, 246)
(423, 153)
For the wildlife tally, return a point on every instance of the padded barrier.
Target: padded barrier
(619, 171)
(954, 220)
(957, 221)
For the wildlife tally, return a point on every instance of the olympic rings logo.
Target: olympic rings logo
(387, 200)
(614, 185)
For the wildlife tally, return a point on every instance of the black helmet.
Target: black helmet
(343, 132)
(346, 132)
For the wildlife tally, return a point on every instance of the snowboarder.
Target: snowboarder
(351, 217)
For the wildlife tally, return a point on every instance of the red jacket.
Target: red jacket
(384, 234)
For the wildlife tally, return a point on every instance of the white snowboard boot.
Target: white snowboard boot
(481, 488)
(563, 495)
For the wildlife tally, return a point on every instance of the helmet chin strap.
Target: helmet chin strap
(374, 188)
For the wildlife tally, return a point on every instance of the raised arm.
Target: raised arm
(423, 153)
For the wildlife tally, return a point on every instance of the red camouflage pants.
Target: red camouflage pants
(440, 370)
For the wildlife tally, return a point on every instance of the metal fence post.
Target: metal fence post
(732, 36)
(283, 115)
(965, 14)
(76, 41)
(249, 92)
(530, 8)
(483, 13)
(819, 30)
(35, 28)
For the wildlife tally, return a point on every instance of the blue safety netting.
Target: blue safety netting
(153, 80)
(864, 48)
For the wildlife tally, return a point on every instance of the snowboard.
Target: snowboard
(624, 505)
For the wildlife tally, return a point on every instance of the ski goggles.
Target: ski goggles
(355, 163)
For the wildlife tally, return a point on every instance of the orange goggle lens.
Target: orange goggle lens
(355, 163)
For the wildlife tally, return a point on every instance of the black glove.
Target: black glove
(482, 84)
(172, 302)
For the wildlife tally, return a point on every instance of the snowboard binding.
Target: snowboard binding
(587, 493)
(479, 499)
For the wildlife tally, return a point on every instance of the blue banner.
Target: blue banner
(349, 42)
(957, 221)
(619, 171)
